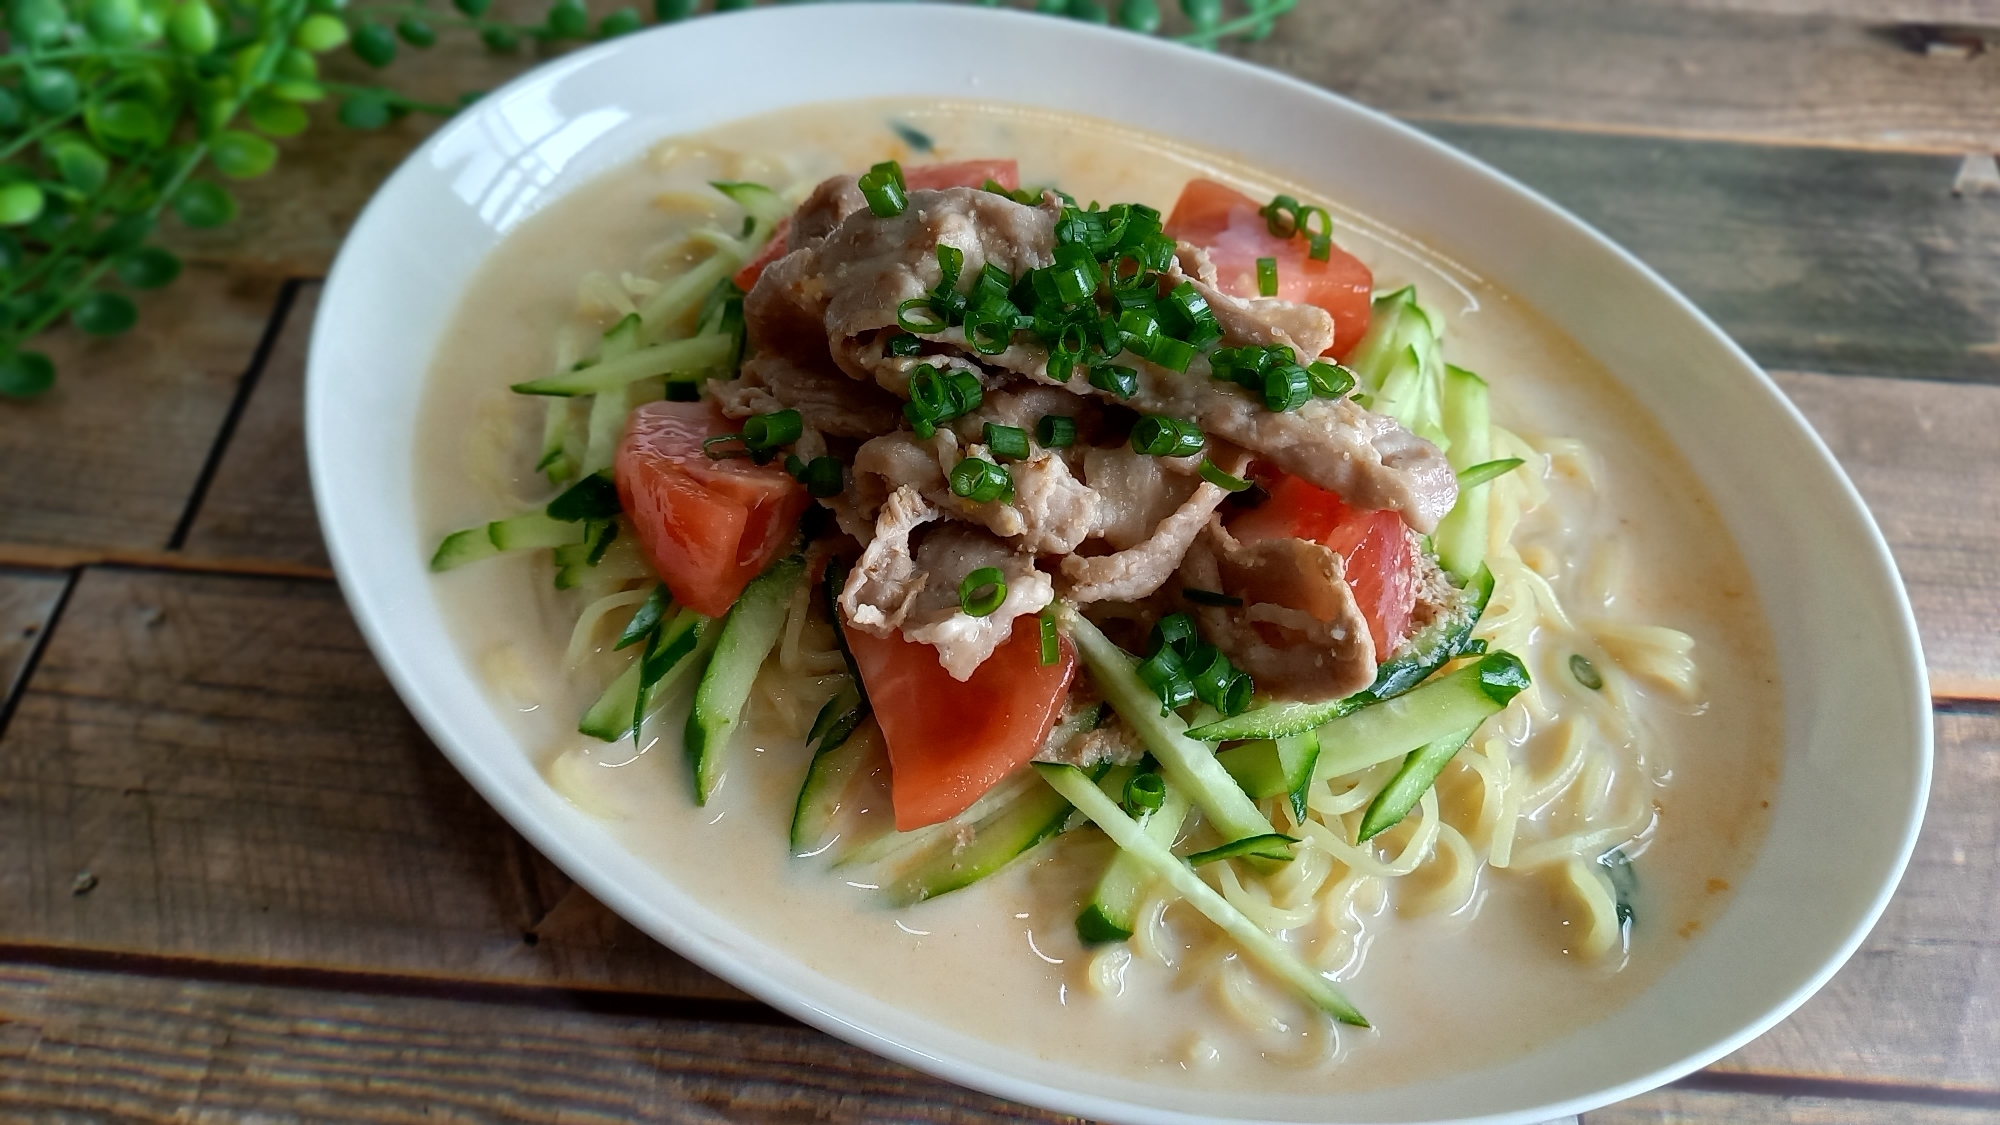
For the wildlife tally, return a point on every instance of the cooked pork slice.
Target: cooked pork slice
(1024, 405)
(834, 199)
(1057, 511)
(887, 579)
(1050, 512)
(826, 400)
(1114, 742)
(1135, 493)
(1264, 321)
(1139, 570)
(1299, 633)
(945, 556)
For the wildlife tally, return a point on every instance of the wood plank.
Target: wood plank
(26, 603)
(1924, 457)
(1810, 71)
(225, 758)
(99, 1046)
(1812, 259)
(259, 504)
(1917, 1004)
(1680, 1106)
(108, 457)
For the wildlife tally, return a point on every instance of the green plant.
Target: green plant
(116, 114)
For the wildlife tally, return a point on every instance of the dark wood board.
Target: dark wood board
(27, 601)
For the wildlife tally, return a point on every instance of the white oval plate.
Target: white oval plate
(1857, 715)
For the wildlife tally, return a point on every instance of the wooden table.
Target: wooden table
(237, 883)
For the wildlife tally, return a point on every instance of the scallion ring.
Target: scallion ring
(1051, 640)
(1281, 216)
(884, 189)
(1175, 631)
(1163, 672)
(821, 476)
(930, 393)
(1286, 387)
(905, 345)
(1267, 277)
(1172, 354)
(930, 323)
(1158, 435)
(980, 480)
(982, 591)
(951, 262)
(988, 334)
(966, 393)
(1236, 699)
(1113, 379)
(1213, 474)
(1010, 442)
(763, 433)
(1585, 672)
(1144, 793)
(1056, 431)
(1329, 380)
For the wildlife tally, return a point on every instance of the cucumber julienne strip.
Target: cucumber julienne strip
(1418, 773)
(610, 717)
(1114, 907)
(1188, 764)
(681, 357)
(834, 768)
(1276, 846)
(745, 639)
(991, 844)
(1460, 539)
(1268, 951)
(1458, 701)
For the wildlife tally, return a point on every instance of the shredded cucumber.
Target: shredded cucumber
(1273, 954)
(747, 636)
(617, 712)
(841, 756)
(1417, 774)
(1461, 538)
(1399, 364)
(1113, 908)
(1457, 701)
(680, 357)
(1188, 764)
(990, 844)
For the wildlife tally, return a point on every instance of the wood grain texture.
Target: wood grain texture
(1678, 1106)
(259, 504)
(1926, 458)
(108, 457)
(88, 1046)
(224, 756)
(1919, 1004)
(1812, 259)
(26, 603)
(1807, 72)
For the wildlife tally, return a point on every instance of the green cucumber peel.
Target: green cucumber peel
(745, 638)
(1113, 908)
(1459, 700)
(1260, 946)
(992, 843)
(843, 755)
(1417, 774)
(1272, 845)
(646, 617)
(681, 357)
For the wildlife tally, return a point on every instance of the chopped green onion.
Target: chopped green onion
(1209, 597)
(1211, 673)
(929, 392)
(1267, 277)
(821, 475)
(980, 480)
(1116, 380)
(764, 433)
(920, 423)
(1286, 387)
(951, 262)
(1175, 631)
(1051, 642)
(1140, 328)
(1196, 323)
(930, 323)
(884, 189)
(594, 497)
(1010, 442)
(1585, 672)
(1329, 380)
(905, 345)
(1236, 698)
(966, 393)
(1479, 474)
(1172, 354)
(1281, 216)
(982, 591)
(1274, 845)
(988, 333)
(1144, 793)
(1163, 672)
(1157, 435)
(1211, 473)
(1055, 431)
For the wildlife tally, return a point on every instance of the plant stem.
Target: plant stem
(1208, 38)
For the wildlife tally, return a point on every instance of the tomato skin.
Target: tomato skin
(962, 173)
(949, 742)
(1226, 223)
(1376, 553)
(708, 527)
(936, 177)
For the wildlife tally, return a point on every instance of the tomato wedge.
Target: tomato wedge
(1226, 223)
(708, 527)
(772, 251)
(1377, 556)
(949, 742)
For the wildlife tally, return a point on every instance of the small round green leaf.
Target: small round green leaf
(12, 254)
(125, 119)
(81, 166)
(374, 44)
(670, 11)
(320, 34)
(473, 8)
(20, 203)
(568, 19)
(1142, 16)
(192, 29)
(202, 204)
(10, 110)
(293, 90)
(50, 89)
(1089, 11)
(115, 22)
(624, 21)
(1203, 14)
(499, 39)
(124, 233)
(364, 111)
(148, 267)
(276, 116)
(39, 22)
(240, 155)
(104, 314)
(297, 65)
(416, 32)
(26, 374)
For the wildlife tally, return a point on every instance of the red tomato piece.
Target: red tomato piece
(963, 173)
(1376, 553)
(1226, 223)
(708, 527)
(949, 742)
(772, 251)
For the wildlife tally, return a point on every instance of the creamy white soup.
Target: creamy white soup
(1569, 853)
